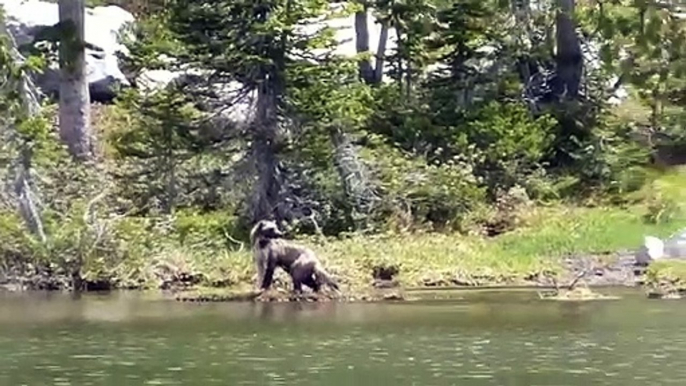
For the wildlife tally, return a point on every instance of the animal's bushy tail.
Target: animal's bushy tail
(325, 277)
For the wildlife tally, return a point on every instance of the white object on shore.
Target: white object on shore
(653, 248)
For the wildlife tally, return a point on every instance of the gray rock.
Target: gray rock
(25, 18)
(675, 245)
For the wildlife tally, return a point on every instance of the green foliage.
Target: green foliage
(505, 142)
(329, 94)
(501, 141)
(243, 40)
(653, 40)
(449, 142)
(160, 137)
(420, 192)
(214, 228)
(18, 244)
(664, 198)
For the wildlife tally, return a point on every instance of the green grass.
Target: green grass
(546, 235)
(552, 233)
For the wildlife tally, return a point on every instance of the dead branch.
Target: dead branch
(87, 212)
(317, 228)
(576, 279)
(228, 236)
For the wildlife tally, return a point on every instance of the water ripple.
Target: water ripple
(607, 350)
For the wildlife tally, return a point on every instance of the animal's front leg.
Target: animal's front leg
(260, 267)
(297, 285)
(269, 274)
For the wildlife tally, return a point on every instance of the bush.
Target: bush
(506, 144)
(417, 193)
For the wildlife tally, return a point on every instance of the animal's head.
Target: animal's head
(265, 229)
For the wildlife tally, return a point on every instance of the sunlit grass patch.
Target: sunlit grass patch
(666, 279)
(672, 271)
(576, 230)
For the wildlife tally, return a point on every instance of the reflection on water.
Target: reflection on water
(483, 339)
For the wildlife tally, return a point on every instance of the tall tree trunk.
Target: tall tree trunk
(370, 74)
(74, 101)
(265, 130)
(569, 58)
(566, 86)
(381, 53)
(265, 134)
(365, 69)
(521, 9)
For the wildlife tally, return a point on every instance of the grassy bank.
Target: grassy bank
(544, 238)
(193, 250)
(550, 234)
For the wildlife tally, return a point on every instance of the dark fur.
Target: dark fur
(270, 251)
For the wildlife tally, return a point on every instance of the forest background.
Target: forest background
(487, 148)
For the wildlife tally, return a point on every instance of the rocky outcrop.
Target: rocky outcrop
(26, 18)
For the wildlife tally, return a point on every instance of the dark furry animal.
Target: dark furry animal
(270, 250)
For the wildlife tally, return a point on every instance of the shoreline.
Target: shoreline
(373, 295)
(597, 271)
(550, 247)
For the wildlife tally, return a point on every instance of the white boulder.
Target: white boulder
(25, 18)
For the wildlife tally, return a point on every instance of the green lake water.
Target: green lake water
(474, 339)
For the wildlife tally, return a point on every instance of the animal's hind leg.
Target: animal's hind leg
(297, 284)
(299, 277)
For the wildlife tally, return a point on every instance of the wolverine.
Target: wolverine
(271, 250)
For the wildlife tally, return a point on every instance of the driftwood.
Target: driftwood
(572, 292)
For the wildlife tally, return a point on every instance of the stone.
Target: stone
(25, 18)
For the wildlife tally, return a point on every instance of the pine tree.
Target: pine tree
(263, 46)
